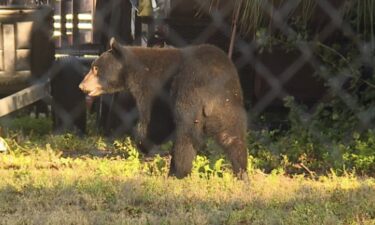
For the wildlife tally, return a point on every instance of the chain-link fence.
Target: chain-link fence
(320, 52)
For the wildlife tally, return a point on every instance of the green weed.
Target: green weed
(64, 179)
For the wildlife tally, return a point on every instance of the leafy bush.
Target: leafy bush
(314, 143)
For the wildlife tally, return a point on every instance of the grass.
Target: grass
(63, 179)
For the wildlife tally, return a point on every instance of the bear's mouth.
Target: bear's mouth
(95, 92)
(90, 88)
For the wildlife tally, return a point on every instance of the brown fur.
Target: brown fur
(199, 84)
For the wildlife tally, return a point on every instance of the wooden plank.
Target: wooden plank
(9, 48)
(76, 10)
(24, 97)
(63, 37)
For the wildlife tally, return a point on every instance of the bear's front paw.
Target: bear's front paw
(141, 132)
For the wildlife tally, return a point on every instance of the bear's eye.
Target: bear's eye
(95, 70)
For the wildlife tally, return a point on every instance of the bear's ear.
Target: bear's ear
(115, 46)
(113, 43)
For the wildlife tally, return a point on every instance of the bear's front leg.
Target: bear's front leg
(141, 128)
(141, 138)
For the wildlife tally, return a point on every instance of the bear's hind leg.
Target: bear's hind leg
(231, 135)
(235, 148)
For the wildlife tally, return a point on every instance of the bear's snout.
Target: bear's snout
(91, 86)
(82, 87)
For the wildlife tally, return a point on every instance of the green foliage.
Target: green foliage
(255, 13)
(157, 166)
(360, 155)
(65, 179)
(361, 15)
(202, 167)
(132, 163)
(314, 143)
(336, 133)
(128, 147)
(68, 141)
(26, 125)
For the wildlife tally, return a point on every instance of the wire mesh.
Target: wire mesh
(319, 52)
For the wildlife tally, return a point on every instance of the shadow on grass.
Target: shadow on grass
(160, 200)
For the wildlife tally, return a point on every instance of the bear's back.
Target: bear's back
(209, 59)
(207, 64)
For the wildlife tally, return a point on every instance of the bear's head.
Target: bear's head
(106, 73)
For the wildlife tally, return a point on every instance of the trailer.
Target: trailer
(26, 55)
(30, 65)
(46, 47)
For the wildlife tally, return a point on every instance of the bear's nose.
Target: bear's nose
(82, 87)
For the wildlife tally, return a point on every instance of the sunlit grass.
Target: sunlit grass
(63, 179)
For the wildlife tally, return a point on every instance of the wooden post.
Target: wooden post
(63, 37)
(75, 30)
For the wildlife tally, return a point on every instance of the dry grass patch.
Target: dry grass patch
(43, 187)
(64, 179)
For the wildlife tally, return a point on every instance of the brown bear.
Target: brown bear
(200, 85)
